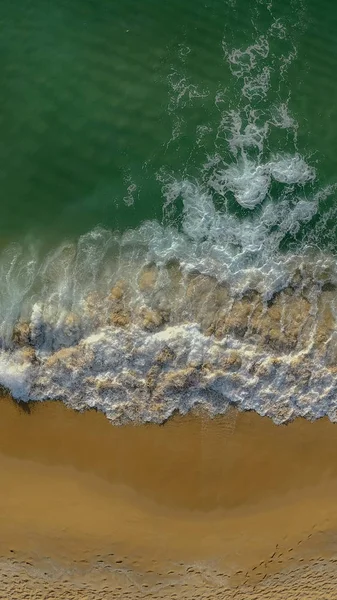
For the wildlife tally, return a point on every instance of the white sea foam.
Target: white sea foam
(66, 334)
(120, 373)
(248, 181)
(291, 170)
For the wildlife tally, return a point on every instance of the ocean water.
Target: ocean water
(168, 230)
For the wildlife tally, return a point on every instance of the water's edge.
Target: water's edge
(181, 342)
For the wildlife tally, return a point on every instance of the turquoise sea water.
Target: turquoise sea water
(196, 136)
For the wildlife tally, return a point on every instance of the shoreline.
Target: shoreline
(186, 342)
(231, 504)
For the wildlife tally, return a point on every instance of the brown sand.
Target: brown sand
(234, 507)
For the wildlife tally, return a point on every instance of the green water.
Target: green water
(93, 91)
(140, 143)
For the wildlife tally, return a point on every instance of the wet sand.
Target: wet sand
(234, 507)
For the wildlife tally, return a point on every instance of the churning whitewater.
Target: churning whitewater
(232, 304)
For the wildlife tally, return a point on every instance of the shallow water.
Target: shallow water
(141, 145)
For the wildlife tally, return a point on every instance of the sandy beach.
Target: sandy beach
(234, 507)
(168, 300)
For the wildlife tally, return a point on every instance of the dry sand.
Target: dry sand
(234, 507)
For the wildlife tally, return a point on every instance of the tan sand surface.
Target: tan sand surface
(234, 507)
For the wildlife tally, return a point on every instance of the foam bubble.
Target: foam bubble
(16, 374)
(248, 181)
(291, 170)
(244, 61)
(133, 374)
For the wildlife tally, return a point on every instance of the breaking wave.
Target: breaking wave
(231, 302)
